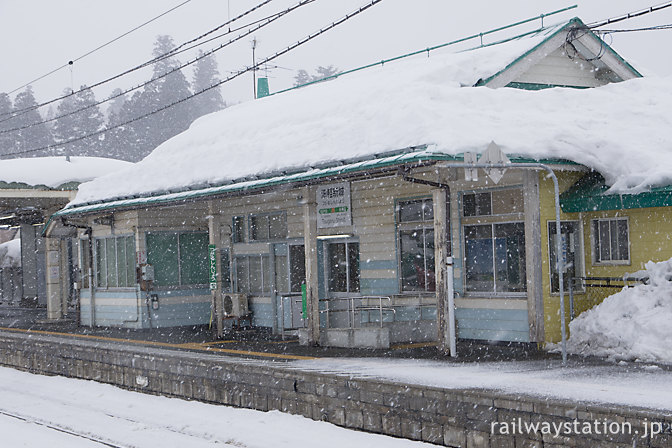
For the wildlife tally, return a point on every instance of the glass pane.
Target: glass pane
(428, 210)
(469, 205)
(259, 227)
(430, 274)
(162, 254)
(277, 226)
(101, 268)
(623, 249)
(281, 273)
(510, 257)
(86, 262)
(297, 267)
(410, 211)
(483, 204)
(336, 268)
(121, 261)
(266, 274)
(479, 272)
(413, 272)
(238, 229)
(111, 262)
(353, 266)
(242, 279)
(130, 260)
(256, 285)
(604, 241)
(194, 263)
(507, 201)
(570, 241)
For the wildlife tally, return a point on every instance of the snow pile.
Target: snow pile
(633, 324)
(10, 254)
(622, 130)
(55, 171)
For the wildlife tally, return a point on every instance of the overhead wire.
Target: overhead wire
(177, 68)
(630, 15)
(154, 60)
(99, 47)
(213, 86)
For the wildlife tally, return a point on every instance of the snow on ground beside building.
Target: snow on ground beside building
(623, 130)
(631, 385)
(120, 417)
(55, 171)
(633, 324)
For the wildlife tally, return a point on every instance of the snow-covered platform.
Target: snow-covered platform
(532, 403)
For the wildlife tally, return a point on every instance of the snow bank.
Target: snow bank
(633, 324)
(10, 254)
(623, 130)
(56, 171)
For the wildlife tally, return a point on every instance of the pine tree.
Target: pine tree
(79, 124)
(33, 137)
(206, 74)
(303, 77)
(7, 140)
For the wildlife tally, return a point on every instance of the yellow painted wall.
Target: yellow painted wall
(650, 234)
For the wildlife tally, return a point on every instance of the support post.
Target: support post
(444, 304)
(310, 245)
(216, 286)
(54, 290)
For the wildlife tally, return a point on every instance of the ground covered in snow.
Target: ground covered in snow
(633, 324)
(39, 411)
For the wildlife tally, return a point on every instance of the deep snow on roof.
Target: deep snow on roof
(623, 130)
(56, 171)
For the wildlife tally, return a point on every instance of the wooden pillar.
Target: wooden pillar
(439, 200)
(54, 274)
(310, 246)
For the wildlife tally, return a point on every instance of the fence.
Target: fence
(586, 292)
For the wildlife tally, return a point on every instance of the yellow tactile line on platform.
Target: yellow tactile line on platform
(413, 345)
(190, 346)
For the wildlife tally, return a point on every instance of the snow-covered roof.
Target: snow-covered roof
(53, 172)
(622, 130)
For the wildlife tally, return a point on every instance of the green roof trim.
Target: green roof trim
(588, 194)
(538, 86)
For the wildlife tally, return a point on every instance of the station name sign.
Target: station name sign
(333, 205)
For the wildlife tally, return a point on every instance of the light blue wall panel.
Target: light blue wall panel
(492, 324)
(378, 286)
(262, 314)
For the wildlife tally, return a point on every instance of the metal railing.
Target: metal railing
(597, 288)
(356, 305)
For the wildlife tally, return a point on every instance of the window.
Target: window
(343, 267)
(498, 202)
(238, 229)
(571, 250)
(226, 270)
(495, 258)
(179, 258)
(85, 262)
(268, 226)
(416, 245)
(115, 262)
(610, 241)
(253, 274)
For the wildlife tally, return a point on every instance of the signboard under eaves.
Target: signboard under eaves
(333, 205)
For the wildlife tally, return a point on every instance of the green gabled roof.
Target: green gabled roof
(588, 194)
(575, 22)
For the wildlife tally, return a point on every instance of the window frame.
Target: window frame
(178, 252)
(130, 282)
(424, 225)
(595, 242)
(237, 259)
(327, 278)
(251, 226)
(579, 253)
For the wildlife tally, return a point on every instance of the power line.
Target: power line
(631, 30)
(217, 84)
(267, 21)
(630, 15)
(100, 47)
(173, 52)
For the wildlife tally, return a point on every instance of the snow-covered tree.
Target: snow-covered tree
(206, 74)
(7, 140)
(33, 137)
(73, 124)
(303, 77)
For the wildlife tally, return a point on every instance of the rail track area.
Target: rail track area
(248, 343)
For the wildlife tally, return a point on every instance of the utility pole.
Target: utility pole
(254, 69)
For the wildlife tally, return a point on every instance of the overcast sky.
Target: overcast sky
(41, 35)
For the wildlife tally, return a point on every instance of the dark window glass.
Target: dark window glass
(238, 229)
(476, 204)
(226, 270)
(343, 267)
(194, 262)
(570, 246)
(297, 267)
(162, 254)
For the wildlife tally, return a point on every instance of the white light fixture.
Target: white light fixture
(333, 237)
